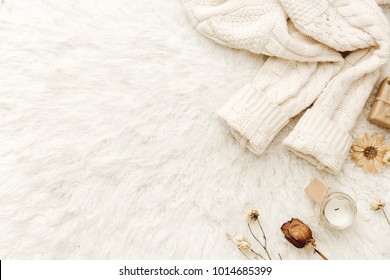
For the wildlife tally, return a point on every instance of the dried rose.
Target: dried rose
(297, 233)
(300, 235)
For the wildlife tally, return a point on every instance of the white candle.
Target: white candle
(339, 212)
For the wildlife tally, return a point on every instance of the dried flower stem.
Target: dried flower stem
(384, 213)
(254, 236)
(265, 240)
(280, 257)
(321, 254)
(257, 254)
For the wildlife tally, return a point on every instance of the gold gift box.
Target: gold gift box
(380, 111)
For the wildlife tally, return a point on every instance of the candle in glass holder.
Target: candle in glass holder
(338, 210)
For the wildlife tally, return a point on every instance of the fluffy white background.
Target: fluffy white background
(110, 146)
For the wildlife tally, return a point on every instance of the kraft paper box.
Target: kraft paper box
(380, 111)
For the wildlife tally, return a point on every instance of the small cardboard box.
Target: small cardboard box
(380, 111)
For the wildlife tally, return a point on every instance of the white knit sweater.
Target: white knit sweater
(324, 51)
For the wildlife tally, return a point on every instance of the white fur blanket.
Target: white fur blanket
(110, 146)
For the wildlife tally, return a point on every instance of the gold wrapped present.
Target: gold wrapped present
(380, 111)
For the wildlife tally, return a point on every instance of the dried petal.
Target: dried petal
(378, 141)
(367, 138)
(365, 166)
(379, 164)
(371, 166)
(358, 157)
(357, 148)
(359, 142)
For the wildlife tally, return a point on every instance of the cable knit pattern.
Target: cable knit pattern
(305, 39)
(260, 27)
(338, 26)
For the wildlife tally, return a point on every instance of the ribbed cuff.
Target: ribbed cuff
(320, 141)
(253, 118)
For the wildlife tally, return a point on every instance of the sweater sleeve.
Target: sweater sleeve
(323, 134)
(306, 40)
(281, 90)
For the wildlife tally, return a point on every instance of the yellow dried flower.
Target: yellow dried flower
(252, 216)
(377, 205)
(368, 152)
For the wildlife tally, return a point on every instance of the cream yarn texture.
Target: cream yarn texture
(324, 52)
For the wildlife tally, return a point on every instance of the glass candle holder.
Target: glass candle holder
(337, 211)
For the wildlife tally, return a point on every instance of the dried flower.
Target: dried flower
(377, 205)
(252, 216)
(386, 158)
(297, 233)
(368, 152)
(244, 245)
(300, 235)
